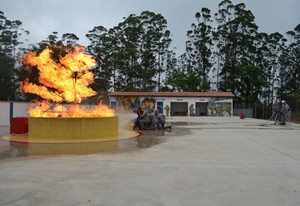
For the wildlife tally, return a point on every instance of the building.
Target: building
(205, 103)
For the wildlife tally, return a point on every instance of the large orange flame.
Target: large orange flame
(66, 81)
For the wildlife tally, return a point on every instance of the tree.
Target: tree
(104, 48)
(10, 34)
(247, 87)
(266, 59)
(235, 37)
(289, 75)
(291, 61)
(7, 86)
(198, 49)
(131, 53)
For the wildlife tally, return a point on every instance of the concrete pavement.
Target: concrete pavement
(209, 161)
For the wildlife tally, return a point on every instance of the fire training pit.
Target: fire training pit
(72, 129)
(66, 80)
(60, 117)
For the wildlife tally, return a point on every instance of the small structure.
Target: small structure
(206, 103)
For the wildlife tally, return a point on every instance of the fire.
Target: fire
(45, 109)
(66, 81)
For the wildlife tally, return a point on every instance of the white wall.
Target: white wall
(19, 109)
(192, 100)
(4, 114)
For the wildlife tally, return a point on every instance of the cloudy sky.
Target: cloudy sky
(42, 17)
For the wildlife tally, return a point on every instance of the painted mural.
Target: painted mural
(219, 109)
(215, 106)
(129, 103)
(126, 103)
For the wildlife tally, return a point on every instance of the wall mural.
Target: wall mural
(219, 109)
(214, 108)
(148, 103)
(129, 103)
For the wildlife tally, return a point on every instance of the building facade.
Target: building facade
(175, 103)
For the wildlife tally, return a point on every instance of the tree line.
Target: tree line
(225, 51)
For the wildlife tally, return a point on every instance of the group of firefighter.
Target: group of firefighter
(149, 119)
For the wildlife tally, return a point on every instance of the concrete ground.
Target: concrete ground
(209, 161)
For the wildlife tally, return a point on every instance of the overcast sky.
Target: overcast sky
(42, 17)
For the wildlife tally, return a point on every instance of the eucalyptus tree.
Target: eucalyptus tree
(248, 87)
(290, 67)
(199, 50)
(147, 39)
(7, 85)
(156, 31)
(269, 48)
(103, 47)
(170, 64)
(294, 49)
(176, 79)
(11, 34)
(130, 73)
(235, 41)
(181, 77)
(69, 40)
(133, 51)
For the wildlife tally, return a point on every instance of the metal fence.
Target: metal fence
(260, 110)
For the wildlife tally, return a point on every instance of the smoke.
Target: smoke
(126, 120)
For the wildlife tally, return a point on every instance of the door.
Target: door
(113, 105)
(201, 108)
(160, 107)
(179, 108)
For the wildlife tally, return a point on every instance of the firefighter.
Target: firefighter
(145, 120)
(160, 120)
(153, 120)
(139, 112)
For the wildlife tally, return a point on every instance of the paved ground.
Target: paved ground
(219, 161)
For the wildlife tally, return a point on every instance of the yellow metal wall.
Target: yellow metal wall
(72, 128)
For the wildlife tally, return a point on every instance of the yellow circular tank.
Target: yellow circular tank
(60, 129)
